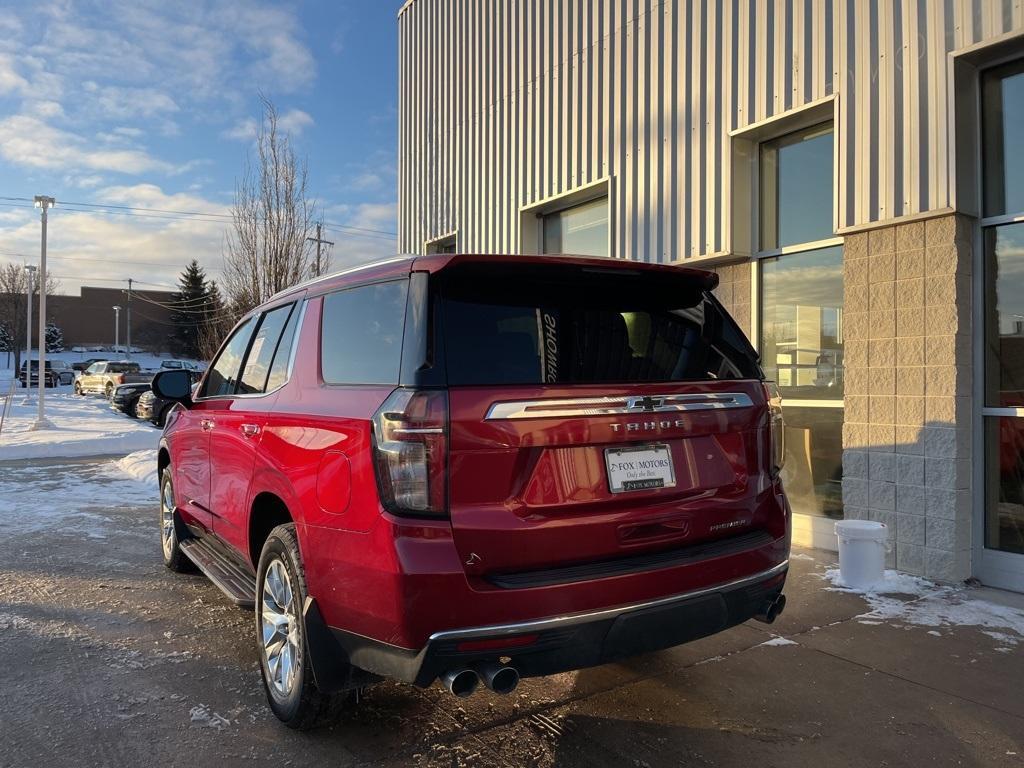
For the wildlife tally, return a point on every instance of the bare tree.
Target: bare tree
(13, 282)
(267, 249)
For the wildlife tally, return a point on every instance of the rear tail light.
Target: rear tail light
(120, 378)
(776, 426)
(410, 434)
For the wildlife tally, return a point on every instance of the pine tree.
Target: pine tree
(191, 309)
(216, 323)
(6, 343)
(54, 338)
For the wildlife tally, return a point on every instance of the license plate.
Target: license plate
(639, 469)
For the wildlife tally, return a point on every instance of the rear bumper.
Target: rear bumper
(577, 640)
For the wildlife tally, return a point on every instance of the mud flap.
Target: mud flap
(331, 668)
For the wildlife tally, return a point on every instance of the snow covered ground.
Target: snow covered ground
(83, 426)
(901, 599)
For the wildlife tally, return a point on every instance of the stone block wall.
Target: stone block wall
(734, 292)
(907, 431)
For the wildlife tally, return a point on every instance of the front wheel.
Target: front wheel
(78, 388)
(170, 541)
(281, 636)
(109, 391)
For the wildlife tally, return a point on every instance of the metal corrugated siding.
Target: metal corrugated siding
(504, 104)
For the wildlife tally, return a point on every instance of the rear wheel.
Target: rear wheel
(281, 636)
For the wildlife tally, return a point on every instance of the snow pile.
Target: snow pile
(69, 496)
(140, 466)
(83, 426)
(779, 640)
(927, 604)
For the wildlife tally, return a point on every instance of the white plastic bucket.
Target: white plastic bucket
(862, 546)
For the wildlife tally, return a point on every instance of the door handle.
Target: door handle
(206, 424)
(250, 430)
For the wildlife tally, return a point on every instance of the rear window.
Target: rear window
(573, 325)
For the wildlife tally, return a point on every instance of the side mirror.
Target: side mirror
(173, 385)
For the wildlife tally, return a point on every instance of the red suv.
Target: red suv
(477, 468)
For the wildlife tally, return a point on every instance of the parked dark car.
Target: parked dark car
(81, 365)
(154, 409)
(476, 469)
(58, 373)
(126, 396)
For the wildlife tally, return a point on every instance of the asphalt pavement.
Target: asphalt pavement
(108, 659)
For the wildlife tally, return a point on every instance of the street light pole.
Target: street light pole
(44, 203)
(117, 327)
(29, 271)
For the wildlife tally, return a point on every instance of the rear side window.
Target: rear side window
(542, 325)
(261, 353)
(361, 334)
(223, 374)
(279, 366)
(123, 368)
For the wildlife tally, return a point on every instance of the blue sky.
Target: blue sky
(152, 104)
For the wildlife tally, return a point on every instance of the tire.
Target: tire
(293, 698)
(161, 419)
(78, 388)
(109, 391)
(170, 528)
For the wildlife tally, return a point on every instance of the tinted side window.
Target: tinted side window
(279, 366)
(361, 334)
(261, 353)
(224, 372)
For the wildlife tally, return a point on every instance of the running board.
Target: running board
(230, 576)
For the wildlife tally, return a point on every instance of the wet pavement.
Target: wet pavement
(108, 659)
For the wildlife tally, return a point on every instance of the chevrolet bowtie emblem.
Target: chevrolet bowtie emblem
(644, 403)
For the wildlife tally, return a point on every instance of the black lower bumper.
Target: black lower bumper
(574, 641)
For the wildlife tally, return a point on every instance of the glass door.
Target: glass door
(999, 528)
(800, 322)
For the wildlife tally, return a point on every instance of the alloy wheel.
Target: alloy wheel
(280, 625)
(167, 519)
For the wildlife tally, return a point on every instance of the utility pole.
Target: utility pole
(317, 267)
(117, 327)
(29, 271)
(128, 321)
(44, 203)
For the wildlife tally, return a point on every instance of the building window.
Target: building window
(796, 188)
(446, 244)
(800, 265)
(1003, 409)
(581, 229)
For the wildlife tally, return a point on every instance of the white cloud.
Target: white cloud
(10, 80)
(89, 248)
(294, 121)
(243, 130)
(28, 141)
(115, 102)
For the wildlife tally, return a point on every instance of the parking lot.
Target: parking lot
(109, 659)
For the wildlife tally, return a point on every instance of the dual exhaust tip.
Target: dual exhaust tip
(497, 677)
(771, 609)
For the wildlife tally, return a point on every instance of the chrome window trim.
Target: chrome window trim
(616, 405)
(573, 619)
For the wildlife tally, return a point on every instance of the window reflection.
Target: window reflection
(802, 323)
(796, 188)
(1003, 121)
(582, 229)
(813, 472)
(1004, 325)
(1004, 465)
